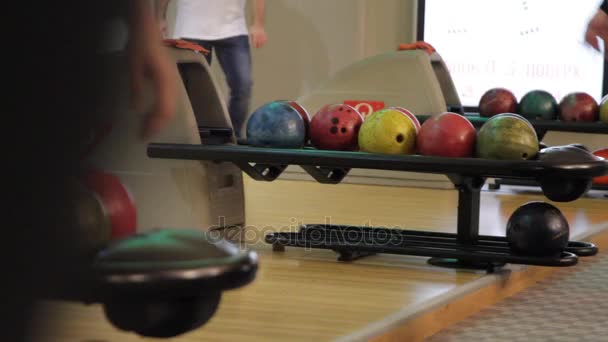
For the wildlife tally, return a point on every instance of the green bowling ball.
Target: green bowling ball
(538, 105)
(604, 109)
(507, 137)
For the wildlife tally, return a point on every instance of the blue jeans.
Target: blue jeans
(234, 55)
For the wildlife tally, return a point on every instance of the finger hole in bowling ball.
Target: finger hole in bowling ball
(335, 121)
(524, 155)
(343, 130)
(334, 130)
(400, 138)
(164, 318)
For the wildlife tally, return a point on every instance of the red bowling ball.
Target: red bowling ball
(336, 127)
(117, 202)
(579, 107)
(447, 135)
(497, 101)
(602, 153)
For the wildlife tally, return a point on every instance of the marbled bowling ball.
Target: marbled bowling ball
(276, 124)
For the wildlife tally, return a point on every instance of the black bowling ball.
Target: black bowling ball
(538, 229)
(162, 318)
(561, 189)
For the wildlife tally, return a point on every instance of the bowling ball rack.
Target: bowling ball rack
(463, 249)
(541, 127)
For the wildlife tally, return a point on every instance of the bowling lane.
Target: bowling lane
(298, 296)
(270, 209)
(303, 295)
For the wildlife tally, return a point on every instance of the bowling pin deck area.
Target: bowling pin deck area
(464, 249)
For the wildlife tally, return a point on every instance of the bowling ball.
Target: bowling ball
(161, 318)
(388, 131)
(538, 229)
(578, 107)
(496, 101)
(447, 135)
(336, 127)
(560, 189)
(304, 114)
(604, 109)
(517, 116)
(276, 124)
(507, 137)
(602, 153)
(410, 115)
(88, 225)
(118, 204)
(538, 105)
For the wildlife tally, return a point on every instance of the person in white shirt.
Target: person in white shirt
(220, 26)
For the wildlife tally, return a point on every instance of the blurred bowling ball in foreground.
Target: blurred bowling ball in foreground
(604, 109)
(117, 202)
(276, 124)
(496, 101)
(560, 189)
(336, 127)
(601, 153)
(507, 137)
(538, 105)
(409, 115)
(447, 135)
(88, 225)
(578, 107)
(538, 229)
(388, 131)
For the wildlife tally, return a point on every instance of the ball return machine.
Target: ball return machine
(464, 248)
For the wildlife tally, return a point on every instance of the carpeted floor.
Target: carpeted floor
(572, 305)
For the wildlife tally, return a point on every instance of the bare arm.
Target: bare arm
(259, 7)
(258, 32)
(161, 9)
(148, 59)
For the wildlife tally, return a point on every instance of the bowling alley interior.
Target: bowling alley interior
(408, 170)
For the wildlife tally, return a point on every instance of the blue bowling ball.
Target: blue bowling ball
(276, 124)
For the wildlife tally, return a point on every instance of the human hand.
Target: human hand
(163, 28)
(258, 36)
(148, 59)
(597, 27)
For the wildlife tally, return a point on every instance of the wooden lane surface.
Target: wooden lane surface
(283, 205)
(307, 295)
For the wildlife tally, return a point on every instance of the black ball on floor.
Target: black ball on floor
(162, 318)
(538, 229)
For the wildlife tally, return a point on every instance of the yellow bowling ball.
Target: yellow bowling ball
(604, 109)
(388, 131)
